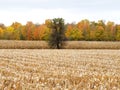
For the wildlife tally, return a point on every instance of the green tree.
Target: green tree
(57, 34)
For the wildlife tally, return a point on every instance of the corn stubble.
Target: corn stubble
(59, 69)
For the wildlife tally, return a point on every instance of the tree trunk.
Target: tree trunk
(58, 47)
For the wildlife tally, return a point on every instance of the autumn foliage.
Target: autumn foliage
(83, 30)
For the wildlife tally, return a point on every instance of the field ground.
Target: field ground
(19, 44)
(33, 69)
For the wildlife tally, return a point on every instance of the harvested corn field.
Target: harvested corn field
(23, 69)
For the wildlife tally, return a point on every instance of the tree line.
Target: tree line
(83, 30)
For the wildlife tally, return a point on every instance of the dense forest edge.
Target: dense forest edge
(84, 30)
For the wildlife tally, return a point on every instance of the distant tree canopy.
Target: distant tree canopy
(83, 30)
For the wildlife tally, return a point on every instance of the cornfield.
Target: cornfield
(19, 44)
(33, 69)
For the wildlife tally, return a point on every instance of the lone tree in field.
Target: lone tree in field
(57, 35)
